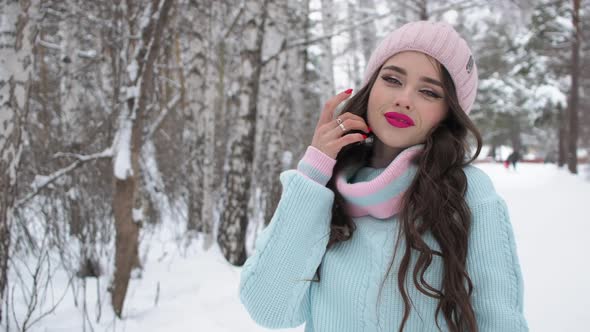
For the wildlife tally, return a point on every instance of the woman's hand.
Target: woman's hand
(329, 137)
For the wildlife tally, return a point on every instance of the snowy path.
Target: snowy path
(550, 213)
(198, 292)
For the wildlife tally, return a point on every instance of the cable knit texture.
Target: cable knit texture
(275, 294)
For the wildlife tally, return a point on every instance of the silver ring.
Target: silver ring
(339, 121)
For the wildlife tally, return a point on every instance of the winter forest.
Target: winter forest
(139, 137)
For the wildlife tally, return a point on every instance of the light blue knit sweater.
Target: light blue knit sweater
(290, 249)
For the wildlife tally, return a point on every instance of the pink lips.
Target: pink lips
(399, 120)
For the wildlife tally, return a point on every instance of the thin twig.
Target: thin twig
(171, 104)
(81, 159)
(301, 43)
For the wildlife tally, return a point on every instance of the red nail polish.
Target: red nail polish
(364, 136)
(369, 129)
(349, 91)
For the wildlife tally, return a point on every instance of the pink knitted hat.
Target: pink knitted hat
(440, 41)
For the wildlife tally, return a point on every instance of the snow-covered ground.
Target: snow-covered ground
(184, 289)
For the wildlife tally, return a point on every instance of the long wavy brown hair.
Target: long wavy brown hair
(435, 197)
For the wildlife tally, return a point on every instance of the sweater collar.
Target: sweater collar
(381, 196)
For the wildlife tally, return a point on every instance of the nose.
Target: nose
(403, 100)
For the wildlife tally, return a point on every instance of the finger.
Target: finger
(348, 139)
(329, 127)
(329, 107)
(353, 117)
(349, 124)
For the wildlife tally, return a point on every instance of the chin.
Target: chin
(397, 139)
(397, 144)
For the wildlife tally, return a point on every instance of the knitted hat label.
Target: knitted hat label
(469, 66)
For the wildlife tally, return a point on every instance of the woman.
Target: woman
(329, 255)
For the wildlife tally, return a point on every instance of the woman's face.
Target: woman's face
(407, 100)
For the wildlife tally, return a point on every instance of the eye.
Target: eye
(431, 94)
(391, 79)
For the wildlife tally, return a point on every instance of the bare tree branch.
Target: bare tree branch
(459, 5)
(304, 43)
(43, 181)
(234, 21)
(154, 127)
(34, 295)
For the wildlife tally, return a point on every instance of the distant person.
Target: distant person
(513, 158)
(358, 215)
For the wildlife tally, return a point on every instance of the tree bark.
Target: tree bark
(354, 71)
(561, 152)
(282, 107)
(199, 118)
(327, 60)
(515, 133)
(16, 47)
(423, 5)
(234, 217)
(572, 146)
(368, 32)
(127, 198)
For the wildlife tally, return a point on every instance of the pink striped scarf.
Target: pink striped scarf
(380, 197)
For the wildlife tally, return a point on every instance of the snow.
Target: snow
(132, 70)
(137, 215)
(183, 288)
(549, 94)
(50, 45)
(40, 181)
(132, 91)
(565, 22)
(87, 53)
(122, 162)
(73, 193)
(287, 159)
(451, 16)
(551, 242)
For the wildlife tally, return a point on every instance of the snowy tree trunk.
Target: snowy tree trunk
(309, 90)
(515, 133)
(409, 10)
(220, 103)
(200, 117)
(69, 93)
(572, 145)
(281, 104)
(201, 106)
(368, 31)
(401, 13)
(327, 62)
(127, 146)
(16, 47)
(562, 133)
(423, 9)
(243, 109)
(213, 118)
(354, 70)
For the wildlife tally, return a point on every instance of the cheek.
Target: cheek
(371, 104)
(434, 116)
(377, 98)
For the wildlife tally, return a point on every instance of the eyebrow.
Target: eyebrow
(404, 72)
